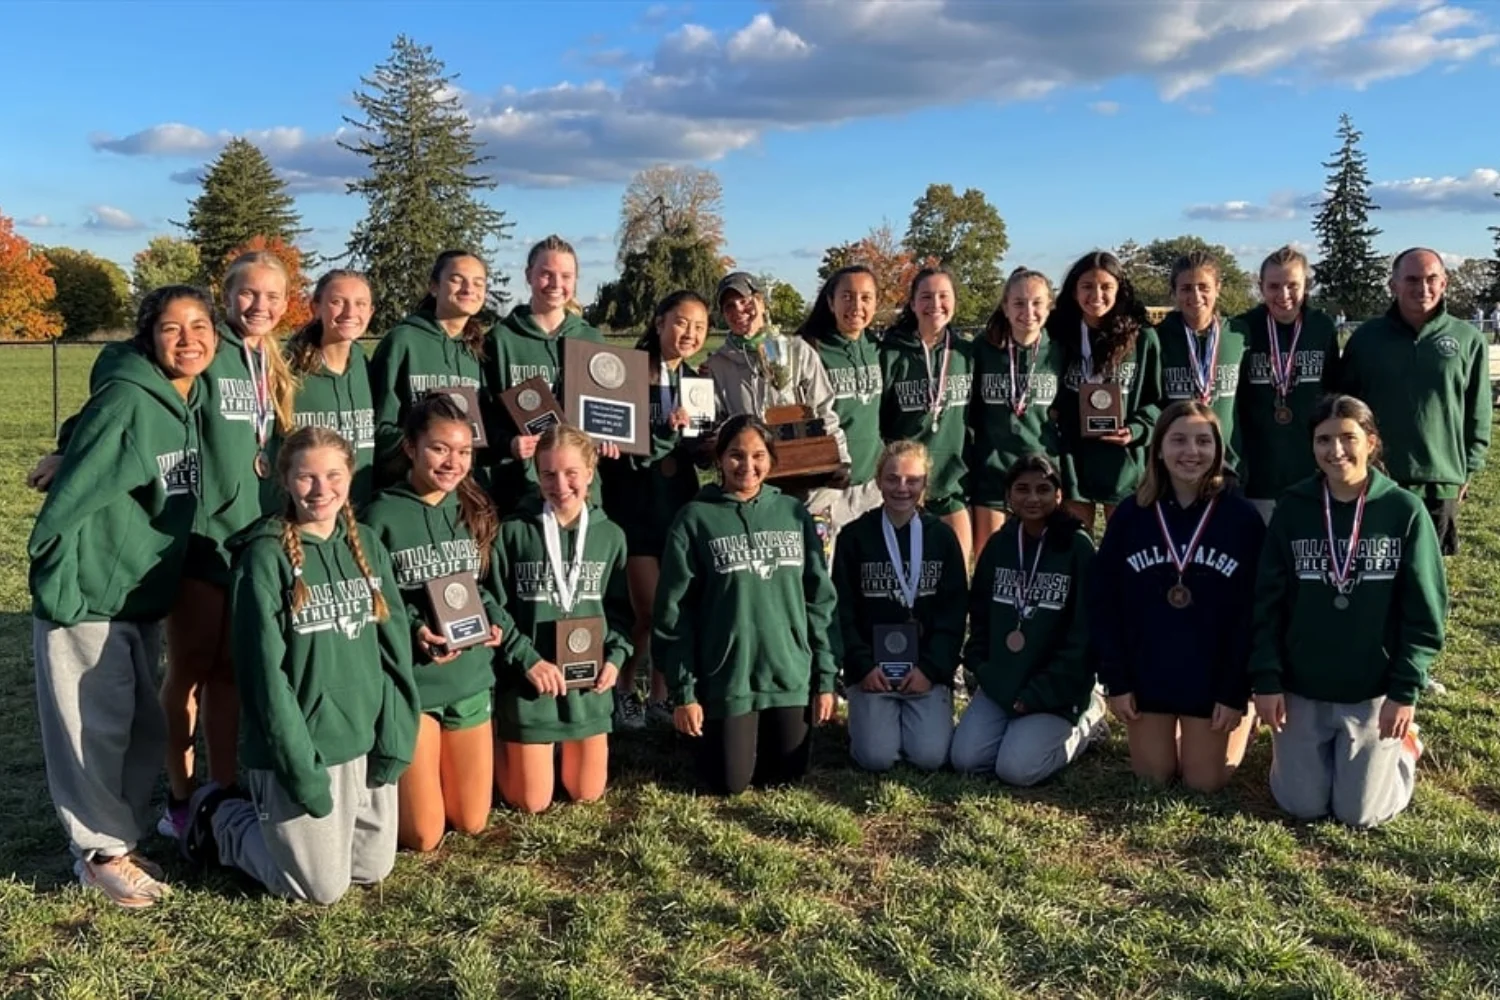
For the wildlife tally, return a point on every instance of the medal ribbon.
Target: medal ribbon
(907, 582)
(1086, 354)
(260, 379)
(937, 396)
(1339, 571)
(1204, 365)
(1024, 579)
(1181, 564)
(1018, 400)
(567, 583)
(665, 397)
(1282, 366)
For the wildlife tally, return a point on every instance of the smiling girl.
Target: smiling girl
(1169, 607)
(744, 612)
(1350, 607)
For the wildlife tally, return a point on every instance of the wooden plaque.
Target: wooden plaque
(467, 401)
(1101, 408)
(457, 612)
(607, 393)
(532, 406)
(579, 651)
(807, 456)
(896, 650)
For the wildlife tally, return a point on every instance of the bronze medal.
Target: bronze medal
(1015, 641)
(1179, 596)
(1283, 414)
(262, 465)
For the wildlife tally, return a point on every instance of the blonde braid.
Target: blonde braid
(377, 599)
(291, 541)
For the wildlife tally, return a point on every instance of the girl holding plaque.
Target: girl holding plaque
(744, 612)
(1035, 710)
(1169, 607)
(561, 564)
(324, 669)
(439, 345)
(901, 583)
(1017, 368)
(440, 529)
(1200, 350)
(1349, 614)
(928, 371)
(644, 494)
(1291, 359)
(1110, 393)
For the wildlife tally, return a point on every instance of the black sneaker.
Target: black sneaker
(197, 842)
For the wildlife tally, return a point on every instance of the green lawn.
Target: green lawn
(849, 886)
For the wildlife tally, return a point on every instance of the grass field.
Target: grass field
(848, 886)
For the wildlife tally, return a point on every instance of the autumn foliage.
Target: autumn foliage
(894, 268)
(26, 289)
(299, 306)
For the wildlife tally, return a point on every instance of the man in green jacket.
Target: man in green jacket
(1425, 373)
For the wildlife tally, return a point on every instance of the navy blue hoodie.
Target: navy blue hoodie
(1176, 661)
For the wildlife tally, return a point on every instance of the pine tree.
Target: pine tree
(681, 258)
(1494, 292)
(242, 198)
(422, 182)
(1351, 276)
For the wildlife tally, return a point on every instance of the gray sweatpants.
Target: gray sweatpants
(104, 737)
(298, 856)
(1020, 750)
(843, 506)
(1329, 758)
(884, 728)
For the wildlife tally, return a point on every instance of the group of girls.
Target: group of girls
(291, 503)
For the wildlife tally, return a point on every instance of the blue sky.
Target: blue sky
(1087, 122)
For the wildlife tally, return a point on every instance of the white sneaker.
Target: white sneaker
(124, 881)
(1095, 721)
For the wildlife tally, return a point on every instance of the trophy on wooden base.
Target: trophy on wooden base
(807, 456)
(532, 406)
(580, 651)
(1101, 408)
(457, 612)
(606, 390)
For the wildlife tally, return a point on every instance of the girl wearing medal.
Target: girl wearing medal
(1201, 352)
(440, 344)
(644, 494)
(1035, 709)
(330, 704)
(333, 377)
(1349, 614)
(440, 526)
(1169, 607)
(561, 564)
(1016, 373)
(928, 369)
(744, 612)
(902, 584)
(1291, 359)
(1113, 364)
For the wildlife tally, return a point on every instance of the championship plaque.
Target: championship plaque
(580, 651)
(697, 395)
(607, 392)
(466, 400)
(457, 612)
(1101, 408)
(807, 456)
(896, 651)
(532, 406)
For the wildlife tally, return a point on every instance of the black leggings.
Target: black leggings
(769, 747)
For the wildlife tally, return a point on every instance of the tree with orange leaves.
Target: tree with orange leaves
(26, 290)
(299, 307)
(893, 265)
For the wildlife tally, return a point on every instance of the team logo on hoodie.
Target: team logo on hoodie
(343, 605)
(237, 399)
(995, 389)
(534, 582)
(1207, 556)
(878, 579)
(1177, 382)
(420, 563)
(179, 472)
(1124, 374)
(912, 395)
(861, 382)
(355, 426)
(761, 552)
(1307, 368)
(1378, 559)
(1047, 590)
(439, 380)
(1446, 346)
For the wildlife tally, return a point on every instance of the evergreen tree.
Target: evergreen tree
(1494, 293)
(1351, 276)
(422, 183)
(242, 198)
(671, 261)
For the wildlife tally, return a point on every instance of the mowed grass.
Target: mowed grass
(850, 885)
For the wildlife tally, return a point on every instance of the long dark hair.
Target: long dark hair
(1119, 327)
(820, 320)
(1337, 407)
(906, 322)
(474, 507)
(735, 426)
(304, 349)
(154, 303)
(1060, 524)
(474, 330)
(650, 341)
(1157, 481)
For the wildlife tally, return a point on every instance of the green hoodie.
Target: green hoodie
(329, 684)
(1384, 642)
(744, 606)
(1001, 437)
(428, 541)
(1052, 673)
(410, 361)
(519, 349)
(906, 410)
(342, 402)
(1177, 374)
(1097, 471)
(869, 595)
(1430, 390)
(112, 536)
(853, 367)
(1274, 456)
(521, 572)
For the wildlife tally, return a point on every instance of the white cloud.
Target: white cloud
(762, 40)
(171, 139)
(1278, 207)
(111, 219)
(1473, 193)
(1407, 48)
(37, 222)
(1106, 108)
